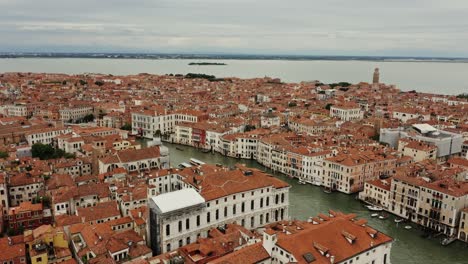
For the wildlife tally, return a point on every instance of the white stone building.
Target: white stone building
(17, 110)
(248, 197)
(346, 112)
(24, 187)
(4, 193)
(75, 113)
(45, 136)
(136, 159)
(377, 192)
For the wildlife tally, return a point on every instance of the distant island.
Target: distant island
(206, 63)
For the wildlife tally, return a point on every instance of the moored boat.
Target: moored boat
(374, 215)
(399, 220)
(383, 216)
(408, 227)
(374, 208)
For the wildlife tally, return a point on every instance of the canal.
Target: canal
(308, 200)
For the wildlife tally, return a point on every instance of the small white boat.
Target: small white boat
(302, 182)
(374, 208)
(374, 215)
(399, 220)
(383, 217)
(408, 227)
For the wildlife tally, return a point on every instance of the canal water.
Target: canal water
(308, 200)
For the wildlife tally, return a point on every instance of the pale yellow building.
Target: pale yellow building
(47, 244)
(417, 150)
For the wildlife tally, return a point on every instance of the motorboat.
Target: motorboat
(447, 240)
(301, 181)
(383, 216)
(374, 215)
(408, 227)
(374, 208)
(399, 220)
(327, 190)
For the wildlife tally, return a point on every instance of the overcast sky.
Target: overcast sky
(306, 27)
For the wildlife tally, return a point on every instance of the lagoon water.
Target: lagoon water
(431, 77)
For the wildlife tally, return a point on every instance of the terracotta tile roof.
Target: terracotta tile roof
(381, 183)
(15, 250)
(100, 211)
(339, 236)
(67, 220)
(251, 254)
(25, 207)
(216, 182)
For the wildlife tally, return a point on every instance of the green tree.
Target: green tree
(45, 152)
(88, 118)
(249, 128)
(69, 156)
(328, 106)
(3, 155)
(127, 127)
(157, 133)
(42, 151)
(10, 232)
(292, 104)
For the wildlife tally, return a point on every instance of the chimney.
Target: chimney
(332, 259)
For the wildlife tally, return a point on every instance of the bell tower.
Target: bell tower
(375, 78)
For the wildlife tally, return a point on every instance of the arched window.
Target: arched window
(168, 230)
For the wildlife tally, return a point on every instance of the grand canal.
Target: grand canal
(308, 200)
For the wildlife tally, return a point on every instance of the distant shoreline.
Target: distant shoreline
(206, 64)
(143, 56)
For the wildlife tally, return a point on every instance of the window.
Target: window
(198, 220)
(187, 223)
(208, 217)
(180, 226)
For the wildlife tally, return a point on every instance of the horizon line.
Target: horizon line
(218, 54)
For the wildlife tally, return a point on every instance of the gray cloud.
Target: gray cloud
(358, 27)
